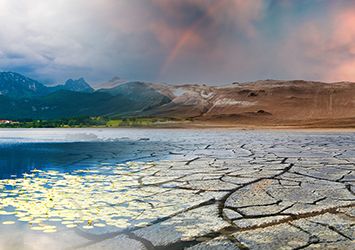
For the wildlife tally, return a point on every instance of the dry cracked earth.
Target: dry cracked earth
(257, 190)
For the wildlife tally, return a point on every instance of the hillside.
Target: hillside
(140, 92)
(65, 103)
(264, 102)
(115, 81)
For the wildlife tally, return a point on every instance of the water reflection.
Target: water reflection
(16, 159)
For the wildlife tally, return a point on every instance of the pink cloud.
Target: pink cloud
(342, 44)
(245, 13)
(322, 49)
(344, 31)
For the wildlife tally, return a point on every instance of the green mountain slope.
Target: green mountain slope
(65, 103)
(139, 92)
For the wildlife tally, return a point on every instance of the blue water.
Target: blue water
(65, 150)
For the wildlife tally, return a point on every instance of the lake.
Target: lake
(116, 188)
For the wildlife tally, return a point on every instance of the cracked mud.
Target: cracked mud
(230, 190)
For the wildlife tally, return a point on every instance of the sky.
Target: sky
(212, 42)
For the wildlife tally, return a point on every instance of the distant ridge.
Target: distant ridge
(17, 86)
(75, 85)
(115, 81)
(264, 102)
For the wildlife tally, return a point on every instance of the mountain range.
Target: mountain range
(22, 97)
(267, 102)
(75, 85)
(18, 86)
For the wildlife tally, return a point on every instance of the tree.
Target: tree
(71, 123)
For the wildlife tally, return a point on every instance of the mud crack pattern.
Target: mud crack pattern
(252, 191)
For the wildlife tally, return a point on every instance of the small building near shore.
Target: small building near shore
(7, 121)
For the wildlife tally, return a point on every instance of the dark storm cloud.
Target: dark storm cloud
(210, 41)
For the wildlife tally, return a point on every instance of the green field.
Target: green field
(87, 121)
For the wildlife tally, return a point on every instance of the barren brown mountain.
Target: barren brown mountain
(267, 102)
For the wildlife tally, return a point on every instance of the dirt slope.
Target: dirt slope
(268, 101)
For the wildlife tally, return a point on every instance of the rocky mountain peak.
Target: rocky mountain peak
(79, 85)
(115, 79)
(18, 86)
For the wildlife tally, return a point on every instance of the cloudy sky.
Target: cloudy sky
(178, 41)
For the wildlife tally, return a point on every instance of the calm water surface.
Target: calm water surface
(23, 150)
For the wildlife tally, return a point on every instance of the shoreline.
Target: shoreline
(190, 126)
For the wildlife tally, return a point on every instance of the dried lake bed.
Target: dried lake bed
(176, 189)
